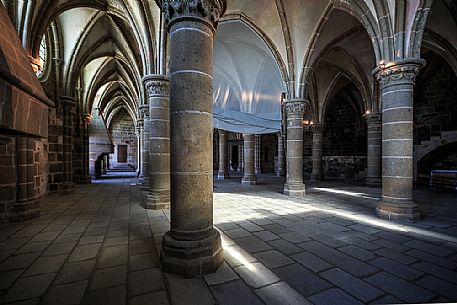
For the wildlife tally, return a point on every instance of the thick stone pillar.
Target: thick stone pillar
(397, 88)
(158, 89)
(192, 247)
(27, 203)
(240, 168)
(374, 151)
(140, 135)
(223, 155)
(67, 187)
(318, 134)
(249, 177)
(85, 138)
(144, 173)
(294, 110)
(281, 171)
(258, 154)
(230, 161)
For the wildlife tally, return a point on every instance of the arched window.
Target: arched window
(42, 56)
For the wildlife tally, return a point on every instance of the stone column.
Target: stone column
(294, 110)
(158, 90)
(318, 133)
(138, 134)
(240, 158)
(374, 151)
(192, 247)
(258, 153)
(67, 187)
(140, 137)
(86, 176)
(281, 171)
(249, 177)
(27, 203)
(230, 157)
(397, 88)
(144, 110)
(223, 155)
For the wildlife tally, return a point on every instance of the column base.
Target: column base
(22, 211)
(191, 258)
(373, 182)
(249, 181)
(157, 202)
(280, 174)
(294, 190)
(67, 189)
(316, 177)
(144, 184)
(223, 176)
(403, 212)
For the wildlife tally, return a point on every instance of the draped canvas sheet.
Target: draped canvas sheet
(247, 82)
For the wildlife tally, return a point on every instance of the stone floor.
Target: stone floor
(100, 246)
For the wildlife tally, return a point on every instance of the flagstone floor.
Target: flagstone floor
(100, 246)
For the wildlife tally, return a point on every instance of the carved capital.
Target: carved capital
(295, 107)
(139, 125)
(401, 71)
(374, 119)
(318, 128)
(207, 10)
(157, 86)
(144, 112)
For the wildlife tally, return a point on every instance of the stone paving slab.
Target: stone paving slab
(100, 246)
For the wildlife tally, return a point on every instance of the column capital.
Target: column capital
(295, 106)
(398, 71)
(143, 112)
(157, 85)
(209, 11)
(374, 118)
(318, 127)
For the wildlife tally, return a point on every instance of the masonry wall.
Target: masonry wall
(7, 175)
(344, 143)
(122, 131)
(55, 154)
(34, 171)
(435, 101)
(269, 152)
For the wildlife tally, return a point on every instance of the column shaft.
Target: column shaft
(223, 155)
(192, 247)
(240, 168)
(281, 157)
(374, 150)
(67, 187)
(397, 86)
(294, 183)
(258, 154)
(249, 177)
(158, 90)
(318, 134)
(144, 110)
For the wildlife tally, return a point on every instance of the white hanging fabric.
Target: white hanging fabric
(247, 82)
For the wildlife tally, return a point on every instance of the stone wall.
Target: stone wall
(436, 100)
(7, 175)
(345, 132)
(122, 131)
(55, 154)
(34, 171)
(344, 144)
(269, 152)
